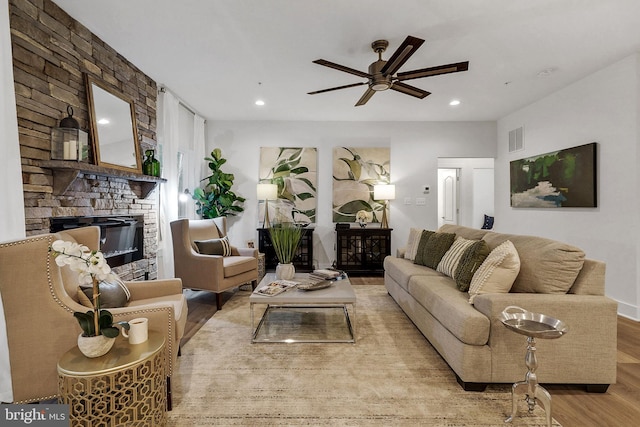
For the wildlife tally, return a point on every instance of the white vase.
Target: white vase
(95, 346)
(285, 271)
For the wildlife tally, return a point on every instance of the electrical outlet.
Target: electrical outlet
(407, 200)
(421, 201)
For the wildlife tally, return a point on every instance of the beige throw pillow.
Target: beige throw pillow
(412, 243)
(497, 273)
(449, 262)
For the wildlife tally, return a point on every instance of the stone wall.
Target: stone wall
(52, 52)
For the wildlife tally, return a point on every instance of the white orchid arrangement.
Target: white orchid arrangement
(92, 268)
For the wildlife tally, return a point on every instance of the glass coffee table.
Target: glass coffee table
(323, 315)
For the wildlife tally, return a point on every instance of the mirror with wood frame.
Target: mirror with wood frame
(113, 127)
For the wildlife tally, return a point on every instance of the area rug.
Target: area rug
(390, 377)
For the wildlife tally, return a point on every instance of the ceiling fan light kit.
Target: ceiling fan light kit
(381, 73)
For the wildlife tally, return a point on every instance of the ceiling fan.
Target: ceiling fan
(381, 73)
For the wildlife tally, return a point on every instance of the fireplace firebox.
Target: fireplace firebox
(121, 237)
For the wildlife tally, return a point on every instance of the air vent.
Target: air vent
(516, 139)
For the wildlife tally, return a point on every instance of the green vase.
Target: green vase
(151, 165)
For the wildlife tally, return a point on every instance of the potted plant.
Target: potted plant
(98, 329)
(285, 238)
(217, 199)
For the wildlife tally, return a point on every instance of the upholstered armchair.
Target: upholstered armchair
(210, 271)
(39, 299)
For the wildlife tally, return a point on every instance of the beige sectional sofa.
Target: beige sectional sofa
(480, 349)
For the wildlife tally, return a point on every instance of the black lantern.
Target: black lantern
(68, 141)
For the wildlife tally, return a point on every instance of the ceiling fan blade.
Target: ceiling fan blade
(433, 71)
(401, 55)
(409, 90)
(336, 88)
(367, 96)
(342, 68)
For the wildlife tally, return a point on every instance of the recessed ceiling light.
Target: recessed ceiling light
(454, 102)
(259, 102)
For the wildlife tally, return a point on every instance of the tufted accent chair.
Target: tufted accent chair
(39, 299)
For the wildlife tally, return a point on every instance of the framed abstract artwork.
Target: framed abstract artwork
(355, 172)
(294, 171)
(560, 179)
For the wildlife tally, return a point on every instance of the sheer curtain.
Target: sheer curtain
(168, 135)
(12, 225)
(181, 135)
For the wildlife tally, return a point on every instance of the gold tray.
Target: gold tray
(532, 324)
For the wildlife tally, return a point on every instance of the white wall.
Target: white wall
(602, 108)
(476, 188)
(415, 148)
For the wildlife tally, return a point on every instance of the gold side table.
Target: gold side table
(125, 387)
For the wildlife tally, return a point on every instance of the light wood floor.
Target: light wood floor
(572, 405)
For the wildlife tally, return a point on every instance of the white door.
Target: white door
(448, 196)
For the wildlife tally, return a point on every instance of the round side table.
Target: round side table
(125, 387)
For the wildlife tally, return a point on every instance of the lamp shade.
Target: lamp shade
(384, 192)
(267, 191)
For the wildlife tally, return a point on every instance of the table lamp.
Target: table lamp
(384, 192)
(266, 192)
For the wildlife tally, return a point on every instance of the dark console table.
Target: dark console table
(361, 251)
(303, 260)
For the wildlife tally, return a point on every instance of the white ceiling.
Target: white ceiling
(219, 56)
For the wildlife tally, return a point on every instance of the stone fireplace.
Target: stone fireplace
(52, 53)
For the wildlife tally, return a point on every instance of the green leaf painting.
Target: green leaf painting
(565, 178)
(294, 171)
(355, 172)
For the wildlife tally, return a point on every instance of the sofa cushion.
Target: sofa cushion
(412, 243)
(214, 246)
(401, 270)
(471, 260)
(435, 248)
(441, 297)
(466, 232)
(234, 265)
(547, 266)
(449, 262)
(424, 238)
(497, 273)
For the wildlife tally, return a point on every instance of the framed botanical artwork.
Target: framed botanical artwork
(294, 171)
(560, 179)
(355, 171)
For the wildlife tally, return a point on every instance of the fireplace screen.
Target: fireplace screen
(121, 237)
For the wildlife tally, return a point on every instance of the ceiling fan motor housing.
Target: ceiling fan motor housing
(378, 81)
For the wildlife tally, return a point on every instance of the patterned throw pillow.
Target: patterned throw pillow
(424, 238)
(469, 263)
(435, 248)
(449, 262)
(412, 243)
(497, 273)
(214, 246)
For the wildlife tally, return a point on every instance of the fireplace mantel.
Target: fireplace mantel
(65, 172)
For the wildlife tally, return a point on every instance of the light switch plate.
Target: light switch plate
(407, 200)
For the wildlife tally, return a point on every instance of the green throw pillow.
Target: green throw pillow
(214, 246)
(424, 238)
(435, 248)
(472, 258)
